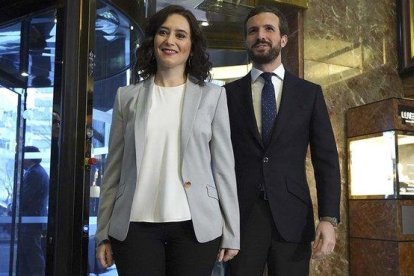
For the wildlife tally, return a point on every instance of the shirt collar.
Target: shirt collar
(279, 72)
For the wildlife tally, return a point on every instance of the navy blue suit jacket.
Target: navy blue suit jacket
(34, 192)
(302, 121)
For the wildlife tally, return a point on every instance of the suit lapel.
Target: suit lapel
(287, 103)
(246, 107)
(192, 98)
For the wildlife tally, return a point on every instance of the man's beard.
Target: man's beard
(266, 57)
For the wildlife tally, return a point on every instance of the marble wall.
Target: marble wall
(349, 49)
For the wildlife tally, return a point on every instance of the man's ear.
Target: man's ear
(283, 40)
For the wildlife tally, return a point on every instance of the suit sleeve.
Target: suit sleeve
(112, 171)
(224, 174)
(325, 159)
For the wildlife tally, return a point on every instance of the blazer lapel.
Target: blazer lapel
(141, 117)
(192, 98)
(246, 107)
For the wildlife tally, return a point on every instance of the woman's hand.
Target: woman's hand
(226, 254)
(104, 254)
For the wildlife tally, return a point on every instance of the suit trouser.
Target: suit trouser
(159, 249)
(262, 244)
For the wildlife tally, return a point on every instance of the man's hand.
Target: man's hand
(104, 254)
(226, 254)
(325, 240)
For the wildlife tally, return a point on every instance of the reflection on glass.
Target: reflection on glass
(113, 40)
(10, 49)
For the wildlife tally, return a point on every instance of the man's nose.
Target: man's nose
(261, 34)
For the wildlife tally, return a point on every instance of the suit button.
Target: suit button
(265, 160)
(187, 184)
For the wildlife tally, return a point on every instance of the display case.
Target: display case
(380, 147)
(381, 165)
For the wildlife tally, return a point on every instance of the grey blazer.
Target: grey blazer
(207, 172)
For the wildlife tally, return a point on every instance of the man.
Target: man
(33, 203)
(274, 117)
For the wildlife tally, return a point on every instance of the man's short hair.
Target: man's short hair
(283, 23)
(32, 149)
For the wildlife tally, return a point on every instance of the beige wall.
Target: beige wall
(350, 49)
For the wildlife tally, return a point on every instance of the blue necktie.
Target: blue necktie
(268, 107)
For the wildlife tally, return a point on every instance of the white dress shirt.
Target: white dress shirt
(257, 87)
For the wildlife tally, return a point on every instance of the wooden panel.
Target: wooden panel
(381, 258)
(378, 219)
(372, 257)
(406, 258)
(375, 219)
(377, 117)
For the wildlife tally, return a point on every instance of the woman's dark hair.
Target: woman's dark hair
(198, 65)
(283, 23)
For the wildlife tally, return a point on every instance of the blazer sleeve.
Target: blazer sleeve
(109, 187)
(224, 174)
(325, 159)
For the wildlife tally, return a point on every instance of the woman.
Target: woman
(168, 201)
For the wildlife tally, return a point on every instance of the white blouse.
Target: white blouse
(159, 193)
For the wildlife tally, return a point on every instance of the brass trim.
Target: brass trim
(298, 3)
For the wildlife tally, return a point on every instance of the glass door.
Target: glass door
(9, 174)
(27, 59)
(116, 38)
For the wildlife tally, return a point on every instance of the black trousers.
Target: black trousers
(159, 249)
(262, 244)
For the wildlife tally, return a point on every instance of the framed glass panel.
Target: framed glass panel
(116, 38)
(27, 47)
(405, 165)
(372, 163)
(9, 131)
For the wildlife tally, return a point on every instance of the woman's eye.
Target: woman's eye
(162, 32)
(181, 36)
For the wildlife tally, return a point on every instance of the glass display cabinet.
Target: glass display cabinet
(382, 165)
(380, 138)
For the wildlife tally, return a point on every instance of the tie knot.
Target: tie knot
(267, 76)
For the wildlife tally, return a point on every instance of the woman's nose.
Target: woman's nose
(169, 39)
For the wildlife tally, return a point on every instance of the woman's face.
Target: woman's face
(172, 43)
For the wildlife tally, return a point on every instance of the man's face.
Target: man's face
(263, 38)
(26, 164)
